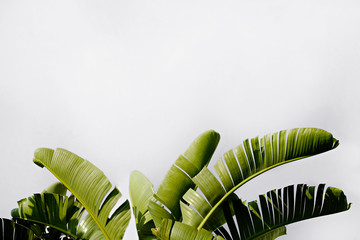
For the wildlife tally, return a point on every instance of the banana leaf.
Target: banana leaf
(248, 160)
(148, 212)
(277, 208)
(9, 230)
(57, 188)
(49, 209)
(179, 178)
(91, 188)
(266, 219)
(175, 230)
(141, 194)
(273, 234)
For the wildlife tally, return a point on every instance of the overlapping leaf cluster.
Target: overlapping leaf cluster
(191, 203)
(88, 213)
(201, 201)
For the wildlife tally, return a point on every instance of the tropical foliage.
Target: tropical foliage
(88, 213)
(192, 202)
(11, 230)
(192, 195)
(61, 213)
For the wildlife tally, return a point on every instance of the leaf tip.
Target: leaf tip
(42, 155)
(37, 162)
(15, 213)
(335, 143)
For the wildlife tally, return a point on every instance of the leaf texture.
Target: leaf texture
(179, 178)
(141, 193)
(174, 230)
(278, 208)
(90, 187)
(60, 212)
(256, 156)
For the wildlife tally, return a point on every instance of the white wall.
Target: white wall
(129, 84)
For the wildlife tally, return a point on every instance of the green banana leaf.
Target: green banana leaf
(178, 179)
(266, 220)
(9, 230)
(57, 188)
(176, 182)
(92, 189)
(272, 234)
(252, 158)
(175, 230)
(148, 213)
(51, 213)
(141, 194)
(50, 209)
(279, 208)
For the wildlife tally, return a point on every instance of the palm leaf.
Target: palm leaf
(10, 230)
(90, 187)
(281, 207)
(252, 158)
(49, 209)
(179, 178)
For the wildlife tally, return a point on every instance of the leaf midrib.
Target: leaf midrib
(103, 230)
(242, 183)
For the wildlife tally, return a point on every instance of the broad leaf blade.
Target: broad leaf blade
(178, 180)
(256, 156)
(141, 193)
(89, 185)
(334, 201)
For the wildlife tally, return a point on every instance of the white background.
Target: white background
(129, 84)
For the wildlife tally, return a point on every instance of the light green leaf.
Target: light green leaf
(57, 188)
(90, 187)
(158, 213)
(141, 193)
